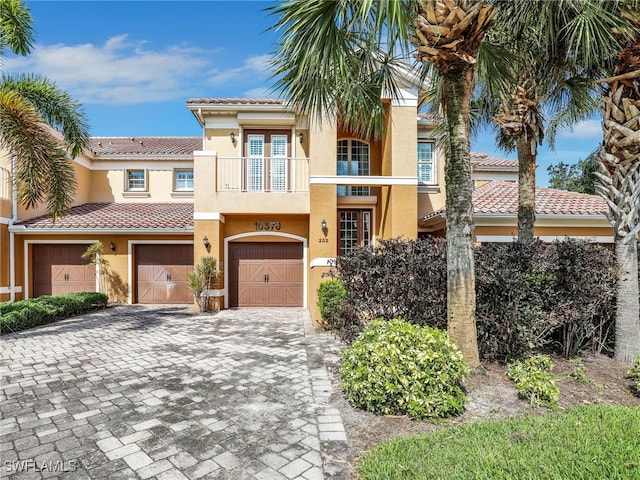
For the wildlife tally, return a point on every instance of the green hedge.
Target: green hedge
(25, 314)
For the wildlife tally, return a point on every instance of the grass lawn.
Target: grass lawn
(596, 442)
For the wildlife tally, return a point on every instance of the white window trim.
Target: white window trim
(177, 190)
(145, 174)
(434, 170)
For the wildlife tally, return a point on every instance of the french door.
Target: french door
(355, 229)
(267, 173)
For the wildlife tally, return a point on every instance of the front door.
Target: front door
(355, 229)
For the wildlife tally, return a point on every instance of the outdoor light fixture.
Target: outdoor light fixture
(232, 135)
(301, 137)
(205, 242)
(323, 225)
(112, 246)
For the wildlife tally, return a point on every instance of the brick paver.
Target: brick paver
(159, 392)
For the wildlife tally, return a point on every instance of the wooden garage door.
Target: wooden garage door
(60, 269)
(265, 275)
(162, 273)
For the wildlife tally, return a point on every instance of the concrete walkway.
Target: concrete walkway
(158, 392)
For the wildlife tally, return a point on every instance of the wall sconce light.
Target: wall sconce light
(301, 137)
(232, 136)
(323, 225)
(112, 246)
(205, 242)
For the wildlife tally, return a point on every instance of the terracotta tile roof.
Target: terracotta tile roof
(502, 198)
(238, 101)
(92, 216)
(144, 145)
(483, 160)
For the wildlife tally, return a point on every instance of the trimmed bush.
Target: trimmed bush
(331, 294)
(25, 314)
(533, 380)
(395, 367)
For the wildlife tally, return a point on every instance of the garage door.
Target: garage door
(60, 269)
(162, 273)
(265, 275)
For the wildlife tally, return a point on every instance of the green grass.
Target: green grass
(596, 442)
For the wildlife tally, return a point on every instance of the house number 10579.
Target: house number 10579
(261, 226)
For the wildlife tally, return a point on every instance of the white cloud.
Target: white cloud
(256, 66)
(260, 92)
(583, 130)
(121, 71)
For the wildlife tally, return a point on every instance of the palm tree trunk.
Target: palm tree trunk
(457, 87)
(526, 189)
(627, 348)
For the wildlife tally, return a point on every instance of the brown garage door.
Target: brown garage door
(265, 275)
(162, 273)
(60, 269)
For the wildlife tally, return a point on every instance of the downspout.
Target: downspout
(14, 219)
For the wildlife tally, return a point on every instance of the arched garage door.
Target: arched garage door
(162, 273)
(265, 274)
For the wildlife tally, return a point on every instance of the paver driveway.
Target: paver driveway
(157, 392)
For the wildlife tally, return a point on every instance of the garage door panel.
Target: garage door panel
(162, 273)
(265, 274)
(59, 269)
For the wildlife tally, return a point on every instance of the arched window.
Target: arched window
(353, 159)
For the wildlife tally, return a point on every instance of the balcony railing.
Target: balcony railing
(274, 175)
(4, 183)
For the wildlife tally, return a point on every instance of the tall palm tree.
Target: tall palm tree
(336, 58)
(39, 123)
(620, 183)
(553, 75)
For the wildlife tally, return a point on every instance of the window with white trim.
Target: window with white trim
(183, 180)
(425, 163)
(255, 163)
(353, 159)
(136, 181)
(278, 171)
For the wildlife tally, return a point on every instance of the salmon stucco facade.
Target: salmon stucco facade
(272, 195)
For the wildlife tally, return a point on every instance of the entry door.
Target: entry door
(355, 229)
(266, 274)
(60, 269)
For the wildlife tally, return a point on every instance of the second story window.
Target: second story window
(136, 181)
(425, 163)
(353, 159)
(184, 180)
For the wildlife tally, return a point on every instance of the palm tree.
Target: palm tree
(620, 182)
(39, 123)
(336, 58)
(553, 75)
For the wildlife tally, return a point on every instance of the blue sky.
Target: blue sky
(133, 65)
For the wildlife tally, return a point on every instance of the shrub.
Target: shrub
(634, 371)
(331, 294)
(25, 314)
(398, 278)
(533, 380)
(201, 279)
(395, 367)
(514, 293)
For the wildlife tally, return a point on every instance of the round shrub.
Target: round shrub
(396, 367)
(331, 294)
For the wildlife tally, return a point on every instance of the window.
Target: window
(136, 181)
(425, 163)
(353, 159)
(278, 163)
(355, 229)
(255, 163)
(183, 180)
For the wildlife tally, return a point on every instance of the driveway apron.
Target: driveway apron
(159, 392)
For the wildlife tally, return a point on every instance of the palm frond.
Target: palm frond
(55, 106)
(16, 31)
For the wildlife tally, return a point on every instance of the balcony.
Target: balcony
(270, 175)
